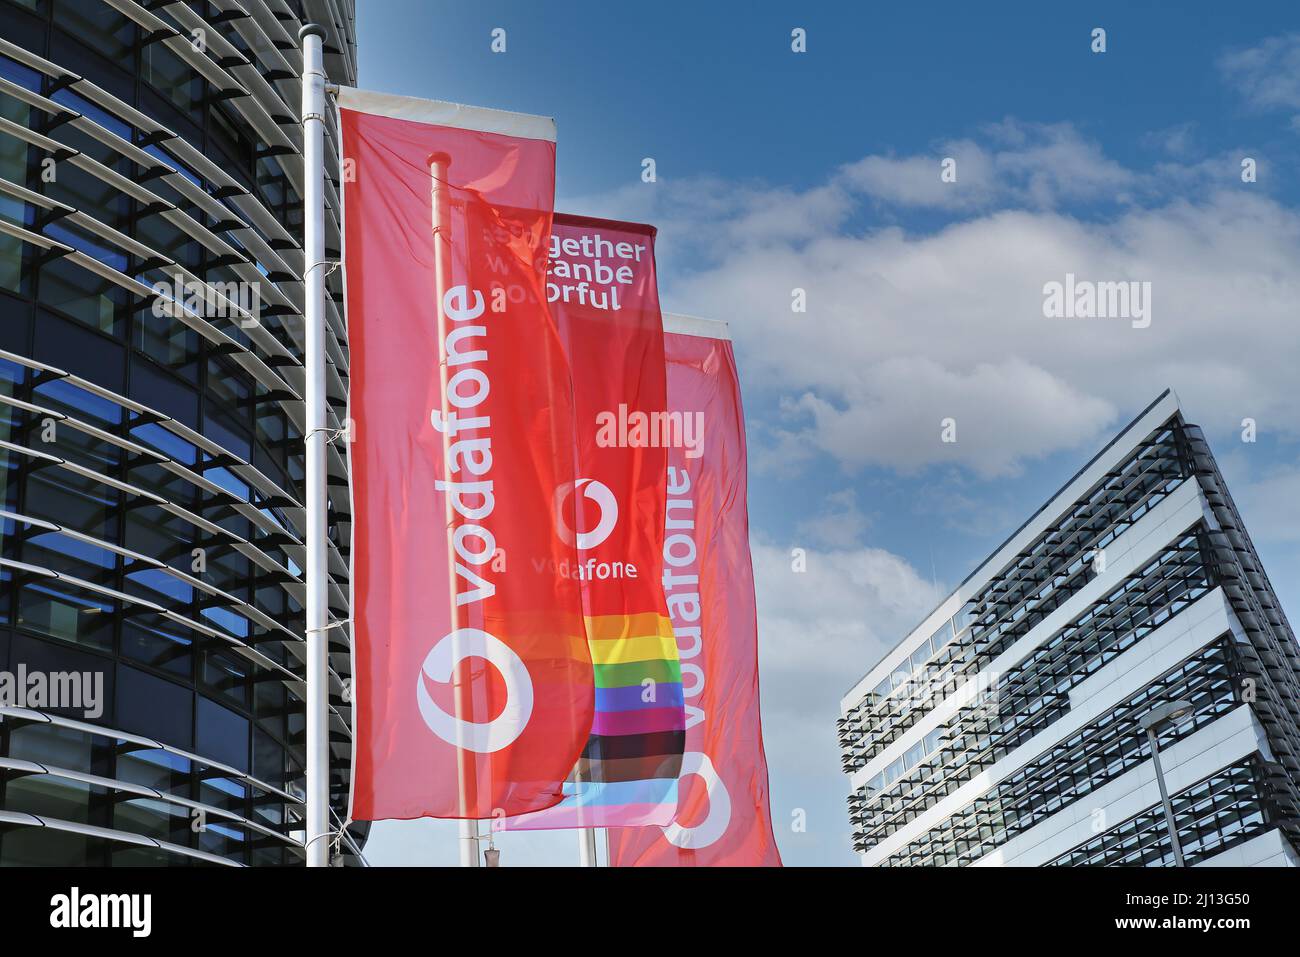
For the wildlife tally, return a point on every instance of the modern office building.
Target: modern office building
(1008, 728)
(151, 431)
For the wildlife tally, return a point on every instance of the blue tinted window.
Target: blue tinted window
(155, 708)
(159, 581)
(165, 441)
(167, 159)
(89, 244)
(222, 734)
(226, 479)
(942, 636)
(86, 404)
(12, 372)
(15, 72)
(72, 101)
(235, 624)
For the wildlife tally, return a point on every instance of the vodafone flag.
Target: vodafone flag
(604, 296)
(722, 816)
(473, 688)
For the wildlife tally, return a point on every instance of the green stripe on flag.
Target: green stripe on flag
(631, 673)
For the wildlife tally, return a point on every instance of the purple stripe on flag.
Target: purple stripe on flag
(667, 694)
(649, 721)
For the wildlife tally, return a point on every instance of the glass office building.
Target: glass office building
(151, 432)
(1007, 729)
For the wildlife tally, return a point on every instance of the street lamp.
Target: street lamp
(1151, 722)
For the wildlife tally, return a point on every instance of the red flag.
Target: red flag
(473, 686)
(722, 817)
(604, 295)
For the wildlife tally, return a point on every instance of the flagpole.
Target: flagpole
(465, 769)
(586, 835)
(587, 847)
(313, 276)
(469, 844)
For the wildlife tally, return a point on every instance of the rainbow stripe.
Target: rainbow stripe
(627, 775)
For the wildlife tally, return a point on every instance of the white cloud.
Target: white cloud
(1033, 165)
(1177, 140)
(840, 525)
(849, 605)
(1270, 505)
(819, 631)
(905, 329)
(998, 412)
(1267, 75)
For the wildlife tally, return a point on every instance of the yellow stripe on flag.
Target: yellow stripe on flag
(616, 651)
(615, 639)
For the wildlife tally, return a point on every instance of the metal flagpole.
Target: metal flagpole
(465, 769)
(587, 847)
(313, 276)
(586, 835)
(469, 844)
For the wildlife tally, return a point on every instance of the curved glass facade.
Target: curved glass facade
(151, 625)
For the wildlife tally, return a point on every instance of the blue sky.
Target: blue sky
(820, 171)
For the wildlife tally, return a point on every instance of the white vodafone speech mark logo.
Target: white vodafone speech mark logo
(484, 737)
(603, 498)
(715, 824)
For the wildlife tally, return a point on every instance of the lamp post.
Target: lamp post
(1151, 722)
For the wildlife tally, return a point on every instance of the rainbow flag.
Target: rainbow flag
(627, 775)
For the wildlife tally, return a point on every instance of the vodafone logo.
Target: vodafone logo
(719, 816)
(485, 737)
(598, 494)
